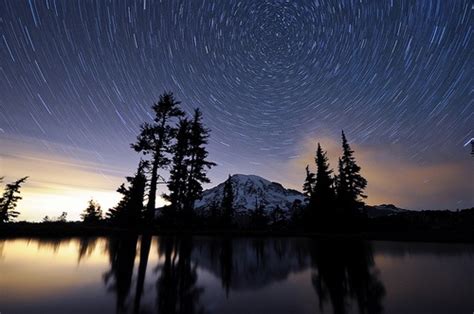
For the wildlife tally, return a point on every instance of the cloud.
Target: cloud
(394, 178)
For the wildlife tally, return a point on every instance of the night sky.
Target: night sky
(271, 77)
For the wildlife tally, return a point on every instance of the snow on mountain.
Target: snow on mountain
(250, 190)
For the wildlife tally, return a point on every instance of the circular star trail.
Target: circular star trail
(266, 74)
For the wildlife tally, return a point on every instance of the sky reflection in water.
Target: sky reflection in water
(245, 275)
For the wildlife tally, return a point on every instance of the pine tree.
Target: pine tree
(177, 182)
(308, 186)
(350, 184)
(258, 217)
(277, 216)
(197, 162)
(129, 211)
(228, 203)
(62, 218)
(92, 213)
(9, 200)
(214, 213)
(323, 196)
(155, 139)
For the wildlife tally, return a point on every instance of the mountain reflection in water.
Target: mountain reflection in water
(342, 271)
(131, 274)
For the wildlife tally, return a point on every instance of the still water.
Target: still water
(240, 275)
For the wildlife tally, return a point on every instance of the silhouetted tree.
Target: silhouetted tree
(308, 186)
(197, 162)
(155, 139)
(258, 216)
(177, 183)
(228, 203)
(215, 213)
(277, 216)
(297, 213)
(9, 200)
(350, 184)
(129, 211)
(323, 195)
(92, 213)
(62, 217)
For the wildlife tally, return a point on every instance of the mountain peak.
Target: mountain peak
(250, 191)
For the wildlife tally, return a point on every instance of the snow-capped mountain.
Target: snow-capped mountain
(250, 190)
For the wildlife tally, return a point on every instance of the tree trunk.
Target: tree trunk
(150, 208)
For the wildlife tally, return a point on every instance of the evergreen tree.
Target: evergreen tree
(323, 195)
(9, 200)
(277, 216)
(258, 217)
(350, 184)
(308, 186)
(92, 213)
(129, 211)
(155, 139)
(214, 213)
(179, 171)
(228, 203)
(197, 162)
(62, 217)
(297, 212)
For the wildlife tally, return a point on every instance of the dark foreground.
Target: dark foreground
(133, 274)
(418, 226)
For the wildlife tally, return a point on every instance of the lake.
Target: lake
(131, 274)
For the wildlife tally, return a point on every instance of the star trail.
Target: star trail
(271, 77)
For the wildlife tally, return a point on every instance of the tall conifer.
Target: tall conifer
(155, 139)
(228, 202)
(350, 183)
(177, 182)
(323, 196)
(197, 162)
(308, 186)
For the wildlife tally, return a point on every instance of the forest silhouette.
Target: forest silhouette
(173, 152)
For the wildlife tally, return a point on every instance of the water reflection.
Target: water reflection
(118, 279)
(130, 274)
(177, 288)
(87, 246)
(344, 271)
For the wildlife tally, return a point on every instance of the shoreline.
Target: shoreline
(76, 229)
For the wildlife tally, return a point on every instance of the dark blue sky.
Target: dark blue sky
(272, 78)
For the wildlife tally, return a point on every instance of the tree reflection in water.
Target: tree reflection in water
(343, 273)
(177, 290)
(122, 251)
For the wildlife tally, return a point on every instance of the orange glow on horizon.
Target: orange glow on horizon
(58, 183)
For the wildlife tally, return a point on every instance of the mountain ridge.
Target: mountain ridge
(252, 190)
